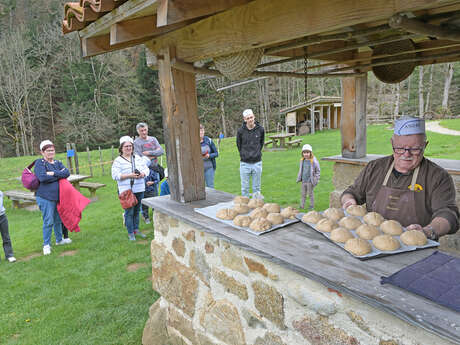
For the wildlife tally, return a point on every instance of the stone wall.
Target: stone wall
(215, 293)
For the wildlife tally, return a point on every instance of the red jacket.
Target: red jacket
(71, 204)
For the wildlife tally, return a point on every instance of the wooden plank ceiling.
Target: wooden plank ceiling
(343, 36)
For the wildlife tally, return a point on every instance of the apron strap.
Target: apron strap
(414, 176)
(387, 176)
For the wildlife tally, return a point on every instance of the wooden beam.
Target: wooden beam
(264, 22)
(101, 44)
(172, 12)
(419, 27)
(181, 130)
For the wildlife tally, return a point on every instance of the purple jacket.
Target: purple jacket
(315, 171)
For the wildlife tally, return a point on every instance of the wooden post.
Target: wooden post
(329, 117)
(321, 115)
(69, 159)
(335, 116)
(312, 116)
(353, 118)
(89, 161)
(77, 166)
(100, 159)
(113, 155)
(181, 130)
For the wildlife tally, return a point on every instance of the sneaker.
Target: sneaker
(131, 237)
(66, 240)
(47, 250)
(137, 232)
(61, 242)
(123, 217)
(12, 259)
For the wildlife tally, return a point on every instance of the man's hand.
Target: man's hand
(348, 200)
(146, 153)
(206, 155)
(415, 227)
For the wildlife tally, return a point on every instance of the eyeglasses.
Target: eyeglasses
(411, 150)
(128, 146)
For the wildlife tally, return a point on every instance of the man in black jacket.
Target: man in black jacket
(250, 141)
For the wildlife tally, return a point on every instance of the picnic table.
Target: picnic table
(75, 179)
(281, 138)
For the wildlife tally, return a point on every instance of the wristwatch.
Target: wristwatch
(432, 235)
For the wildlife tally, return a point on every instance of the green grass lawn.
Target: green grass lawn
(451, 124)
(91, 297)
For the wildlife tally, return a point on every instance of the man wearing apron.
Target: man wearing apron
(406, 186)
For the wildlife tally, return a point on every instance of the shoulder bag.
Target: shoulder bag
(127, 198)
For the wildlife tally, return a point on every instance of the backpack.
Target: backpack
(29, 179)
(160, 170)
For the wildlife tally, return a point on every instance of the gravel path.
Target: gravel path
(435, 127)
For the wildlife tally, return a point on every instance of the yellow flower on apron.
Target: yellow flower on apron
(417, 187)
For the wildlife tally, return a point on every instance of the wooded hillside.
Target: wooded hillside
(48, 91)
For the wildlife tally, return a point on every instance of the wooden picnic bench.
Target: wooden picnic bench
(20, 198)
(93, 187)
(268, 143)
(295, 142)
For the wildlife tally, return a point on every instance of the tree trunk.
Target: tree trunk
(222, 114)
(447, 82)
(421, 108)
(397, 98)
(428, 94)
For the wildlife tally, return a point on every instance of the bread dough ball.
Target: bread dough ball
(350, 223)
(367, 232)
(258, 212)
(334, 214)
(326, 225)
(275, 218)
(254, 203)
(356, 210)
(385, 242)
(289, 212)
(341, 235)
(240, 200)
(312, 217)
(391, 227)
(271, 207)
(413, 238)
(226, 213)
(242, 220)
(260, 224)
(241, 208)
(357, 246)
(373, 218)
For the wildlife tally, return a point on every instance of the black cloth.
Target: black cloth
(437, 277)
(250, 143)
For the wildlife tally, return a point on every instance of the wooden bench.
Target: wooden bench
(93, 187)
(295, 142)
(268, 143)
(20, 198)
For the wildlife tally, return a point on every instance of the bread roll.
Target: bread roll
(258, 212)
(413, 238)
(312, 217)
(356, 210)
(254, 203)
(341, 235)
(275, 218)
(271, 207)
(260, 224)
(367, 232)
(358, 246)
(226, 213)
(326, 225)
(242, 220)
(334, 214)
(289, 212)
(373, 218)
(391, 227)
(241, 208)
(350, 223)
(240, 200)
(385, 242)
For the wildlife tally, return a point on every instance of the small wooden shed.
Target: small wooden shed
(323, 111)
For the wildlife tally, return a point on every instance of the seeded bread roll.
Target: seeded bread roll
(260, 224)
(275, 218)
(289, 212)
(242, 220)
(373, 218)
(341, 235)
(358, 246)
(413, 238)
(226, 213)
(367, 232)
(391, 227)
(385, 242)
(356, 210)
(258, 212)
(240, 199)
(326, 225)
(312, 217)
(241, 208)
(350, 223)
(271, 207)
(334, 214)
(254, 203)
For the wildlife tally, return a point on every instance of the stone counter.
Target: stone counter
(291, 286)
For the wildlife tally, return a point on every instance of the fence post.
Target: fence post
(102, 163)
(77, 166)
(89, 161)
(113, 157)
(69, 159)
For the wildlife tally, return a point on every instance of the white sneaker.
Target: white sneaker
(12, 259)
(60, 243)
(66, 240)
(47, 250)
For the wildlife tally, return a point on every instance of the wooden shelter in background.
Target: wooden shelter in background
(323, 111)
(347, 39)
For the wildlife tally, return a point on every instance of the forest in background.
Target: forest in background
(48, 91)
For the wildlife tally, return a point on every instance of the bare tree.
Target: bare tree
(421, 108)
(447, 83)
(430, 89)
(397, 100)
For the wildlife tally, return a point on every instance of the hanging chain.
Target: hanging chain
(305, 67)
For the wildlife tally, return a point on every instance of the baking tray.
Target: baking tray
(376, 253)
(211, 211)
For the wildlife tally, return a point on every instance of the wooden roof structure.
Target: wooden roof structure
(314, 100)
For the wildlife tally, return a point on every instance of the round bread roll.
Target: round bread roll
(254, 203)
(350, 223)
(241, 208)
(271, 207)
(226, 213)
(413, 238)
(385, 242)
(391, 227)
(240, 199)
(334, 214)
(358, 246)
(275, 218)
(242, 220)
(312, 217)
(373, 218)
(367, 232)
(341, 235)
(289, 212)
(356, 210)
(260, 224)
(326, 225)
(258, 212)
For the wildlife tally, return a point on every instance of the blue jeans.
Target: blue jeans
(7, 248)
(246, 171)
(51, 220)
(209, 177)
(132, 214)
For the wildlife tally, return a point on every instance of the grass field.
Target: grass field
(101, 293)
(451, 124)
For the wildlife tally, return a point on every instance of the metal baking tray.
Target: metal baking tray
(375, 253)
(211, 212)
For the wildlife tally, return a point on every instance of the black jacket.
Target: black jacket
(250, 143)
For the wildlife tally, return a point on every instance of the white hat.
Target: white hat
(307, 147)
(247, 112)
(125, 139)
(45, 143)
(409, 125)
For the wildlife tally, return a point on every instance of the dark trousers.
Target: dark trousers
(145, 209)
(8, 249)
(65, 232)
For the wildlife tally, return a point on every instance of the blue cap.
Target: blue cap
(409, 125)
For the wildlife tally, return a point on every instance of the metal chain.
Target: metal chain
(305, 67)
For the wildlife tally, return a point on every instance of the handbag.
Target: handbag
(29, 179)
(127, 198)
